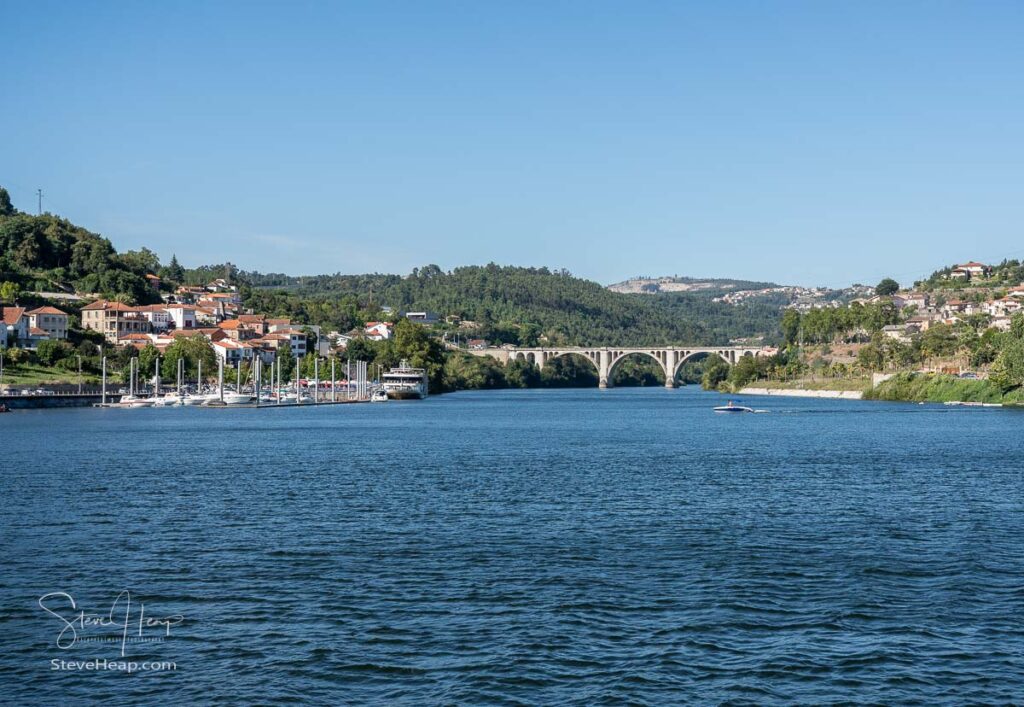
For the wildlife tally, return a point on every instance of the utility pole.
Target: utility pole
(78, 356)
(39, 192)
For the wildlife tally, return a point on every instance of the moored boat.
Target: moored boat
(134, 401)
(405, 382)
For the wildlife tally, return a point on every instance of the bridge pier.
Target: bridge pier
(604, 370)
(670, 368)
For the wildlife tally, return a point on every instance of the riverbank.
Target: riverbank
(804, 393)
(902, 387)
(936, 388)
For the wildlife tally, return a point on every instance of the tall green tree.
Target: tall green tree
(887, 287)
(6, 207)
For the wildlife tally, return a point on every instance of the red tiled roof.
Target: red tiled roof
(113, 306)
(12, 315)
(36, 331)
(47, 310)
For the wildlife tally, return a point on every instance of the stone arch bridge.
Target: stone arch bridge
(606, 359)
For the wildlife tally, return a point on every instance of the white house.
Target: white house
(157, 316)
(183, 315)
(378, 331)
(969, 271)
(231, 351)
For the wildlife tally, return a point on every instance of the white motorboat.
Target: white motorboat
(231, 398)
(379, 396)
(733, 407)
(169, 400)
(134, 401)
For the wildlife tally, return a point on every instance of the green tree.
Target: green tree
(6, 207)
(716, 371)
(174, 272)
(9, 291)
(147, 362)
(791, 327)
(50, 352)
(1008, 370)
(193, 350)
(887, 287)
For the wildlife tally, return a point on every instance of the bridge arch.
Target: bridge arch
(588, 355)
(619, 356)
(685, 356)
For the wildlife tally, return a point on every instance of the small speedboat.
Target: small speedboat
(733, 407)
(379, 396)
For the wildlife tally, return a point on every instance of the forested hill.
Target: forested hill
(508, 304)
(520, 305)
(50, 253)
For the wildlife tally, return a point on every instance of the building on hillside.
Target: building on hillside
(207, 316)
(114, 319)
(292, 341)
(233, 299)
(141, 341)
(238, 330)
(221, 285)
(477, 344)
(423, 317)
(15, 324)
(900, 332)
(154, 281)
(970, 271)
(51, 320)
(911, 299)
(278, 324)
(34, 338)
(1004, 307)
(922, 322)
(377, 331)
(183, 315)
(157, 316)
(231, 351)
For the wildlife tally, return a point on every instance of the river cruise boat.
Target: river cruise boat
(405, 382)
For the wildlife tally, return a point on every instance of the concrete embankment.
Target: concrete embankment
(801, 393)
(25, 402)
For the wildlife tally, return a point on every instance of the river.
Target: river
(520, 547)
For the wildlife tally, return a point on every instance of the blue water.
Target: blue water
(523, 547)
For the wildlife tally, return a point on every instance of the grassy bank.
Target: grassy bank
(922, 387)
(36, 374)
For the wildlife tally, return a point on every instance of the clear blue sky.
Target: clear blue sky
(804, 142)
